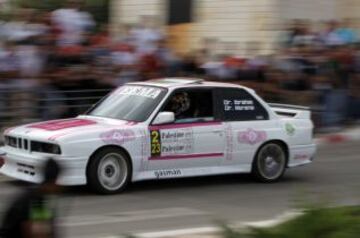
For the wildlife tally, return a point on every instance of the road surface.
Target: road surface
(178, 204)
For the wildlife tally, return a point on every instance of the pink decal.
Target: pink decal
(54, 137)
(229, 142)
(131, 123)
(185, 125)
(118, 137)
(301, 157)
(8, 130)
(62, 124)
(189, 156)
(251, 136)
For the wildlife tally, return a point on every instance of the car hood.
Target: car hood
(59, 129)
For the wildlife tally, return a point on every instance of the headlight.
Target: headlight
(11, 141)
(44, 147)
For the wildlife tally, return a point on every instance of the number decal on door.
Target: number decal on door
(155, 143)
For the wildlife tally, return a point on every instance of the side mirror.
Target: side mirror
(164, 118)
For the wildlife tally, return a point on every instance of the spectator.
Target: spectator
(125, 63)
(345, 33)
(72, 23)
(330, 36)
(147, 35)
(33, 213)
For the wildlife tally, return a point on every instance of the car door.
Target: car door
(246, 123)
(196, 138)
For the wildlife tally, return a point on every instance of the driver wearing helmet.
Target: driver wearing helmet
(180, 103)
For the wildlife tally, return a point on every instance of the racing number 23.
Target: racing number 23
(155, 143)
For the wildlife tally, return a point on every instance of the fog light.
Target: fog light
(2, 161)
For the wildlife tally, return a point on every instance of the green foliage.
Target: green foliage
(341, 222)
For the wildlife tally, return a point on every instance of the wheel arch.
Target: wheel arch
(280, 142)
(113, 147)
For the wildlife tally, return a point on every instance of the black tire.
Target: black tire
(106, 166)
(269, 163)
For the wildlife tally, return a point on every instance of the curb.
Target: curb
(214, 232)
(335, 138)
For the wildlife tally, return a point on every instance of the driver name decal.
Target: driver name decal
(239, 105)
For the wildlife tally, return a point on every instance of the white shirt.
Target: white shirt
(73, 24)
(146, 39)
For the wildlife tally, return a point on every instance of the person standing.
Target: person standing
(33, 213)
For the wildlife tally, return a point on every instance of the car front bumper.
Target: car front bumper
(27, 166)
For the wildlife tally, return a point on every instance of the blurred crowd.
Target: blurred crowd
(44, 55)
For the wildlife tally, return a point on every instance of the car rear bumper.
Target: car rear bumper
(301, 155)
(28, 167)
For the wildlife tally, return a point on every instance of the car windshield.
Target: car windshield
(130, 102)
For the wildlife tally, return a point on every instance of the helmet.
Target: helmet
(180, 103)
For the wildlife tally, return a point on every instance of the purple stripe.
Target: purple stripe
(185, 125)
(190, 156)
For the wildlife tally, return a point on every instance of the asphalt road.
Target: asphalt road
(334, 177)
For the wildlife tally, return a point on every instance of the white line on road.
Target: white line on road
(88, 220)
(211, 231)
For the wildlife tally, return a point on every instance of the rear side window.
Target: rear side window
(238, 105)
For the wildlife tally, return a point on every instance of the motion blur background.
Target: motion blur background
(59, 57)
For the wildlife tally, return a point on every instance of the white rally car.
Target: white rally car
(168, 128)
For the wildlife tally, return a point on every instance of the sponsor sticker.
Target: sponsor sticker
(167, 173)
(147, 92)
(251, 136)
(117, 137)
(171, 142)
(290, 129)
(229, 142)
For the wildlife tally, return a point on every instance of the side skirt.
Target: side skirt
(189, 172)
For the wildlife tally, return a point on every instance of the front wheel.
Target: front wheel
(269, 163)
(109, 171)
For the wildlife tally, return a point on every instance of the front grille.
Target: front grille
(32, 146)
(19, 143)
(26, 144)
(11, 141)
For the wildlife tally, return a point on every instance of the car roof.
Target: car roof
(186, 82)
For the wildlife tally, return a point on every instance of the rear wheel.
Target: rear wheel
(269, 163)
(109, 171)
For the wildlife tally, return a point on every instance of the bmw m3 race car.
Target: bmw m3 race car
(166, 128)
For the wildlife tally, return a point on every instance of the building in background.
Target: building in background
(232, 25)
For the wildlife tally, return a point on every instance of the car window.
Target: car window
(234, 104)
(130, 102)
(191, 105)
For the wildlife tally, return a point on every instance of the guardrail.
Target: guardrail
(24, 106)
